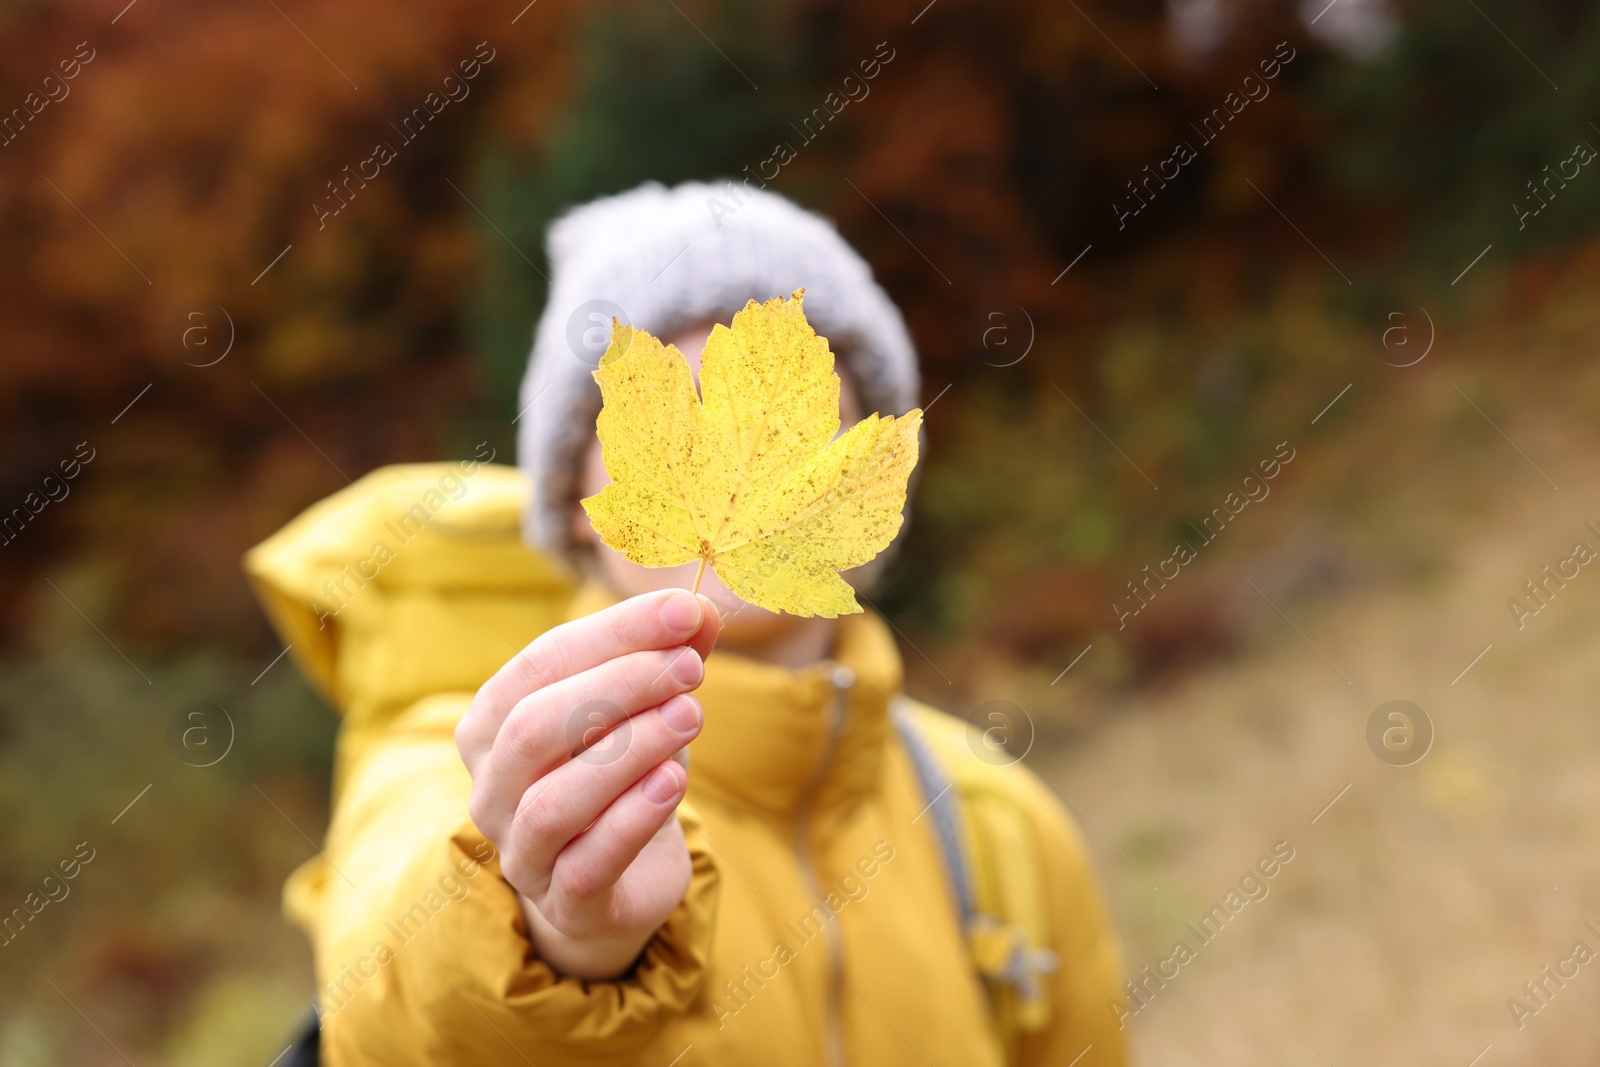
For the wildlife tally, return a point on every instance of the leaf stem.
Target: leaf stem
(699, 574)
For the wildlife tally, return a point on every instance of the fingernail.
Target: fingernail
(687, 666)
(682, 713)
(681, 613)
(661, 785)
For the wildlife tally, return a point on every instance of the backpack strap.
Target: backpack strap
(943, 811)
(990, 853)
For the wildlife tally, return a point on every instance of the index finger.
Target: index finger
(666, 618)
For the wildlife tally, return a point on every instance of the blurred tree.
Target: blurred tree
(655, 99)
(186, 162)
(1450, 131)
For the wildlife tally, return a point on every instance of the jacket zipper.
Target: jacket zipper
(841, 678)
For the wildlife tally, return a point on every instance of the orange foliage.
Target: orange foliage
(182, 170)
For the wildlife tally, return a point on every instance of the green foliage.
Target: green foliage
(1448, 125)
(186, 877)
(654, 100)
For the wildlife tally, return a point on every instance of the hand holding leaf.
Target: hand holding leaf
(746, 475)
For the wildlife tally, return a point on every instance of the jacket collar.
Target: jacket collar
(777, 739)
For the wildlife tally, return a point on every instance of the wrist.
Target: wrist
(592, 959)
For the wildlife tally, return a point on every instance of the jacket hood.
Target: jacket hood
(412, 581)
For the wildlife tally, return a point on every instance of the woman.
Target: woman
(523, 867)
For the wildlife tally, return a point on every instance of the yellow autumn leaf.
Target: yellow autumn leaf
(749, 474)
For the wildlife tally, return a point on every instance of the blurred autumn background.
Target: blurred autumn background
(1370, 262)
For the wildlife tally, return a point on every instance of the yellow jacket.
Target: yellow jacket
(821, 924)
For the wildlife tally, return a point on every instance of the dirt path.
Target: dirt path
(1420, 898)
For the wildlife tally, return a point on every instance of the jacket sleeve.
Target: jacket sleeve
(422, 950)
(1082, 1030)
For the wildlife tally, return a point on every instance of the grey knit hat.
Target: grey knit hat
(664, 260)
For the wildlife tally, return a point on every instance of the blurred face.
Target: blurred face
(743, 624)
